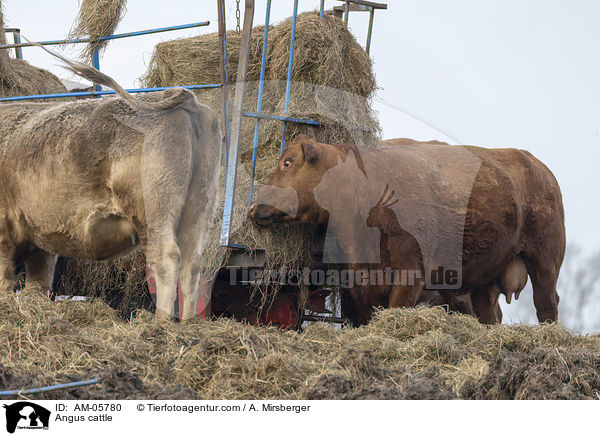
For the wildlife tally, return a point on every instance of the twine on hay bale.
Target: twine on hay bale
(97, 18)
(17, 77)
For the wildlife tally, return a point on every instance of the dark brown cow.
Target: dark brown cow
(502, 206)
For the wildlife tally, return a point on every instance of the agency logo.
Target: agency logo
(26, 415)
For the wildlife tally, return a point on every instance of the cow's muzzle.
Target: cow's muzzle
(261, 214)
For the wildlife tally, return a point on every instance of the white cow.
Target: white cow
(91, 179)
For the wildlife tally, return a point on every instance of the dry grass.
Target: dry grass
(402, 353)
(97, 18)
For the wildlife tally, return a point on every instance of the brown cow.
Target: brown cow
(491, 215)
(93, 178)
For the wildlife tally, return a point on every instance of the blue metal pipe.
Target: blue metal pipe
(289, 75)
(322, 10)
(91, 381)
(106, 38)
(347, 12)
(96, 64)
(106, 92)
(17, 39)
(280, 118)
(261, 83)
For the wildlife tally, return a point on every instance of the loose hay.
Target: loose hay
(17, 77)
(97, 18)
(404, 353)
(120, 282)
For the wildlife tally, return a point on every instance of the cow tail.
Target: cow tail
(93, 75)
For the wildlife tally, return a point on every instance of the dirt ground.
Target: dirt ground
(422, 353)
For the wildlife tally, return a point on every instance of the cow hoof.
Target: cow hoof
(162, 317)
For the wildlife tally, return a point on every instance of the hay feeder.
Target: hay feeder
(303, 75)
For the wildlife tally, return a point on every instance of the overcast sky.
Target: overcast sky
(510, 73)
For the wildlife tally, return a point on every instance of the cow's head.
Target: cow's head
(289, 193)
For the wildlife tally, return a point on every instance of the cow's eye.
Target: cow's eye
(287, 163)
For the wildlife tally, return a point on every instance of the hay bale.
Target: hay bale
(17, 77)
(48, 342)
(26, 79)
(97, 18)
(332, 81)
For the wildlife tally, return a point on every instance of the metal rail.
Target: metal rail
(109, 37)
(91, 381)
(366, 4)
(17, 38)
(224, 80)
(261, 82)
(236, 123)
(96, 61)
(288, 84)
(105, 92)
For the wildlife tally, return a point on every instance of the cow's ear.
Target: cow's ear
(310, 150)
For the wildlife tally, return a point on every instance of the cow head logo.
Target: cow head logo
(27, 415)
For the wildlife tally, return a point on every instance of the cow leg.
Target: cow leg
(7, 264)
(545, 298)
(192, 234)
(485, 305)
(39, 269)
(164, 174)
(7, 273)
(405, 295)
(164, 260)
(192, 237)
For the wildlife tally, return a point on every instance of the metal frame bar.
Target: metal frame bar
(106, 92)
(17, 39)
(361, 5)
(289, 75)
(261, 82)
(367, 3)
(109, 37)
(224, 80)
(96, 64)
(347, 12)
(236, 123)
(91, 381)
(322, 9)
(370, 33)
